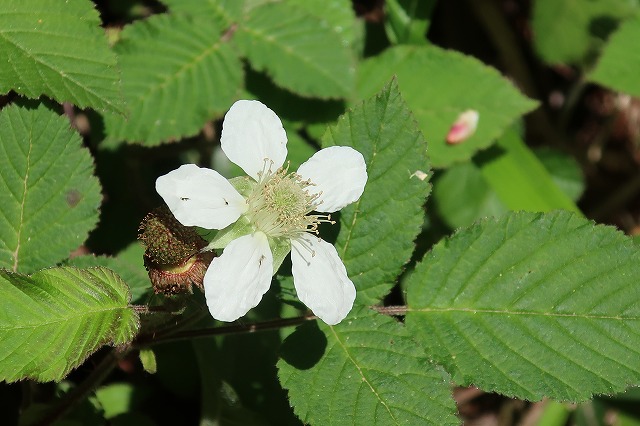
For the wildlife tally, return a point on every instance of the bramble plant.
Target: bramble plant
(179, 192)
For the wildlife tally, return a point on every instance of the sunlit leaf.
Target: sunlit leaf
(53, 320)
(297, 50)
(377, 232)
(531, 305)
(365, 370)
(438, 85)
(49, 197)
(177, 73)
(58, 49)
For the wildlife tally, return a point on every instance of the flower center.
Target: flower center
(280, 204)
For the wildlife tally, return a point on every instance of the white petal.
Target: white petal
(236, 281)
(321, 279)
(200, 197)
(252, 132)
(339, 173)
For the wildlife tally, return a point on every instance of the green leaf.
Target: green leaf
(148, 360)
(57, 48)
(298, 50)
(128, 264)
(223, 12)
(407, 21)
(564, 170)
(48, 193)
(618, 66)
(519, 178)
(336, 14)
(377, 232)
(440, 84)
(365, 370)
(177, 73)
(531, 305)
(53, 320)
(462, 195)
(569, 31)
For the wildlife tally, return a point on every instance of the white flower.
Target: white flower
(273, 209)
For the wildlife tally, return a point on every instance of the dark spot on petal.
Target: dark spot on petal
(73, 197)
(184, 198)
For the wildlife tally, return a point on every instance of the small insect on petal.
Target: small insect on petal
(464, 126)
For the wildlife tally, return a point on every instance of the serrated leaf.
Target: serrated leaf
(438, 85)
(49, 197)
(128, 264)
(531, 305)
(223, 12)
(618, 66)
(298, 50)
(58, 48)
(53, 320)
(177, 73)
(337, 14)
(569, 31)
(366, 370)
(377, 231)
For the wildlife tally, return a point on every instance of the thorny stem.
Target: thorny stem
(224, 330)
(240, 328)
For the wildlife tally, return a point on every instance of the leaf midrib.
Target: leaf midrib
(293, 52)
(69, 318)
(361, 373)
(524, 313)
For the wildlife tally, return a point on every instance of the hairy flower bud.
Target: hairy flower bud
(173, 256)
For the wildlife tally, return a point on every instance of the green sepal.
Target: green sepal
(280, 248)
(240, 227)
(243, 184)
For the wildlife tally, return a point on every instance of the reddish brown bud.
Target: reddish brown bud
(173, 256)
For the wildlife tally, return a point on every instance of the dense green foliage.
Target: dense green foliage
(473, 263)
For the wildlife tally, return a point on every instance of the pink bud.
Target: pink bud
(464, 126)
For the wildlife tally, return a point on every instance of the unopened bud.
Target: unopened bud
(173, 256)
(464, 126)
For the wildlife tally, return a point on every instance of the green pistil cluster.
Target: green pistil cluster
(280, 205)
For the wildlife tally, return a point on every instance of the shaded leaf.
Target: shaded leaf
(365, 370)
(531, 305)
(618, 66)
(407, 21)
(58, 48)
(570, 31)
(48, 193)
(564, 170)
(461, 195)
(177, 73)
(438, 86)
(53, 320)
(377, 232)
